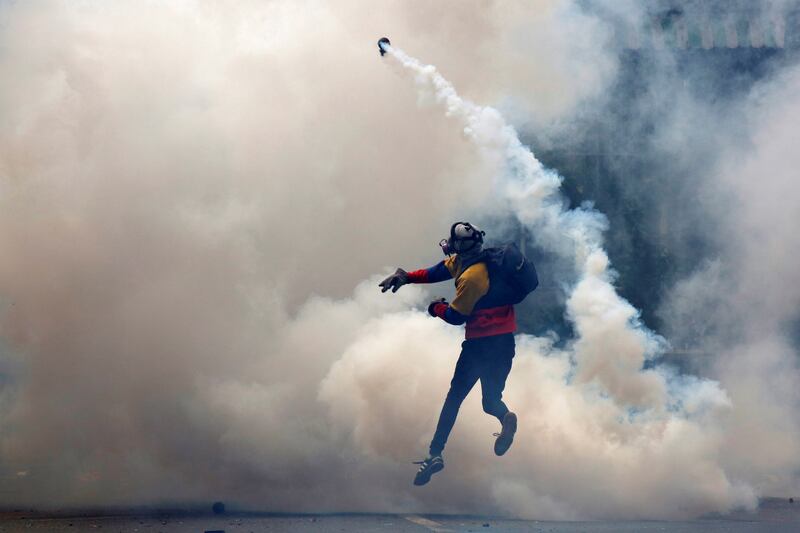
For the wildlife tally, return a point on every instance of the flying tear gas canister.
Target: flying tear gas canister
(383, 42)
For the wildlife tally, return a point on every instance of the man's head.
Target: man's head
(465, 239)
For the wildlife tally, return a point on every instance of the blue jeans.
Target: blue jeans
(485, 358)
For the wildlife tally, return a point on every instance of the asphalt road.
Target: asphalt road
(774, 516)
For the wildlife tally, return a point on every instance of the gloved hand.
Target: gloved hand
(395, 281)
(433, 304)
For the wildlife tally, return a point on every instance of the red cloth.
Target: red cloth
(492, 321)
(418, 276)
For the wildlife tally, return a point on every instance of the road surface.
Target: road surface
(774, 516)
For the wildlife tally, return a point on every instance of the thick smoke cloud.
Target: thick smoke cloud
(178, 182)
(195, 202)
(752, 289)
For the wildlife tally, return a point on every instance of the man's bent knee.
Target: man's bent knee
(493, 407)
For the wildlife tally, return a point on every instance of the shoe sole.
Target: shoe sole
(506, 438)
(422, 480)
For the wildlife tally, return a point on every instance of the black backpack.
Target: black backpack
(512, 275)
(517, 270)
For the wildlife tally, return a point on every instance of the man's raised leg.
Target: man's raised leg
(498, 354)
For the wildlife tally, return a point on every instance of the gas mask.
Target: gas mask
(464, 238)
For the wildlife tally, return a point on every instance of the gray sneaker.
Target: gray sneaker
(428, 467)
(506, 435)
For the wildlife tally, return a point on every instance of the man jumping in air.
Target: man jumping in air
(482, 302)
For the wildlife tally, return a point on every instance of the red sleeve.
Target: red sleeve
(440, 309)
(435, 274)
(418, 276)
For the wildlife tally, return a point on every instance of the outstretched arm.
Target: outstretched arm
(436, 273)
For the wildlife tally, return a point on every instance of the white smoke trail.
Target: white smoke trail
(613, 344)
